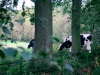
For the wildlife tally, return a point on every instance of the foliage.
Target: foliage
(61, 26)
(62, 62)
(5, 19)
(90, 15)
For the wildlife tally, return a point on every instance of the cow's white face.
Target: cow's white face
(86, 41)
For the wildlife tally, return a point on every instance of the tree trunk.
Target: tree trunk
(76, 43)
(43, 26)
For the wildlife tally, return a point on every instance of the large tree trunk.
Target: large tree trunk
(43, 26)
(76, 8)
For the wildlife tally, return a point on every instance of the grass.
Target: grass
(17, 44)
(21, 48)
(55, 47)
(78, 62)
(24, 45)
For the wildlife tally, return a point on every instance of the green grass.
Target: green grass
(17, 44)
(22, 50)
(25, 44)
(55, 47)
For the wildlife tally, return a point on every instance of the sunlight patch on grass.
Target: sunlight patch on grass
(55, 47)
(15, 45)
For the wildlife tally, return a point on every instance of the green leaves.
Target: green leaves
(6, 30)
(32, 19)
(10, 51)
(44, 0)
(26, 55)
(2, 55)
(11, 25)
(56, 39)
(33, 1)
(15, 2)
(69, 67)
(97, 71)
(12, 40)
(0, 24)
(43, 54)
(2, 36)
(23, 5)
(23, 13)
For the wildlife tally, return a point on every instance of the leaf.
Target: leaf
(0, 24)
(56, 39)
(43, 54)
(2, 55)
(69, 67)
(23, 13)
(26, 55)
(56, 64)
(2, 36)
(23, 5)
(97, 71)
(0, 45)
(11, 25)
(35, 56)
(32, 19)
(12, 40)
(53, 63)
(6, 30)
(33, 1)
(10, 51)
(21, 48)
(15, 2)
(44, 0)
(59, 61)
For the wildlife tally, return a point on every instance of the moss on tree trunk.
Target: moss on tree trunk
(76, 8)
(43, 25)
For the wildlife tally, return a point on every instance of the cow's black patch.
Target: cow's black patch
(89, 37)
(66, 44)
(82, 39)
(31, 44)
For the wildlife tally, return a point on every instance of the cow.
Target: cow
(31, 44)
(85, 41)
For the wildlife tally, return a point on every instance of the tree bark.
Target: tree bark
(43, 26)
(76, 43)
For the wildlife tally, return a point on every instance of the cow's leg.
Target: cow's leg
(70, 49)
(89, 49)
(88, 46)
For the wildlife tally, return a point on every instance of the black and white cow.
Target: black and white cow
(31, 44)
(85, 41)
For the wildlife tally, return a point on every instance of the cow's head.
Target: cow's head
(31, 44)
(88, 43)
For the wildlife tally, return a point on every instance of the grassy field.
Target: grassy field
(10, 44)
(21, 48)
(24, 45)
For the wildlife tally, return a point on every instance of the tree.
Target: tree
(76, 8)
(5, 20)
(91, 20)
(43, 25)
